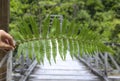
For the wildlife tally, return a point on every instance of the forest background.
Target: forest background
(102, 16)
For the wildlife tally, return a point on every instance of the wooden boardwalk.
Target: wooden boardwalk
(69, 70)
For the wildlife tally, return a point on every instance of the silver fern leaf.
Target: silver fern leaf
(52, 39)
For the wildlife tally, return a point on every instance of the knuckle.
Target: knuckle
(11, 37)
(1, 30)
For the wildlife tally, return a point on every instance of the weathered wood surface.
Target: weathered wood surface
(69, 70)
(4, 14)
(4, 21)
(114, 77)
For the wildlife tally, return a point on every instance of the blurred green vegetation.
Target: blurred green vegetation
(102, 16)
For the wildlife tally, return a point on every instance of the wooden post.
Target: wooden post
(4, 14)
(4, 21)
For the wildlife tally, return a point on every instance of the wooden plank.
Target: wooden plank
(62, 68)
(60, 64)
(114, 78)
(47, 77)
(65, 64)
(61, 80)
(63, 72)
(69, 70)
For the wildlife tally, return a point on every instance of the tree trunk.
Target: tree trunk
(4, 21)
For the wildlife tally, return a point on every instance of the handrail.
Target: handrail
(103, 78)
(8, 60)
(9, 66)
(112, 44)
(102, 63)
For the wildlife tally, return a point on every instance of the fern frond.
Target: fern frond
(65, 48)
(30, 50)
(34, 27)
(42, 50)
(71, 48)
(54, 49)
(51, 39)
(48, 50)
(45, 27)
(60, 48)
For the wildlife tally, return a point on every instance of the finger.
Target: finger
(11, 42)
(6, 41)
(9, 39)
(6, 46)
(5, 51)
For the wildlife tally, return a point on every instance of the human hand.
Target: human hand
(6, 41)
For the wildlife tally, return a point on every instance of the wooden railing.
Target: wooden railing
(4, 22)
(22, 67)
(102, 64)
(4, 14)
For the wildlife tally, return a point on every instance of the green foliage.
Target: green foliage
(101, 16)
(76, 38)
